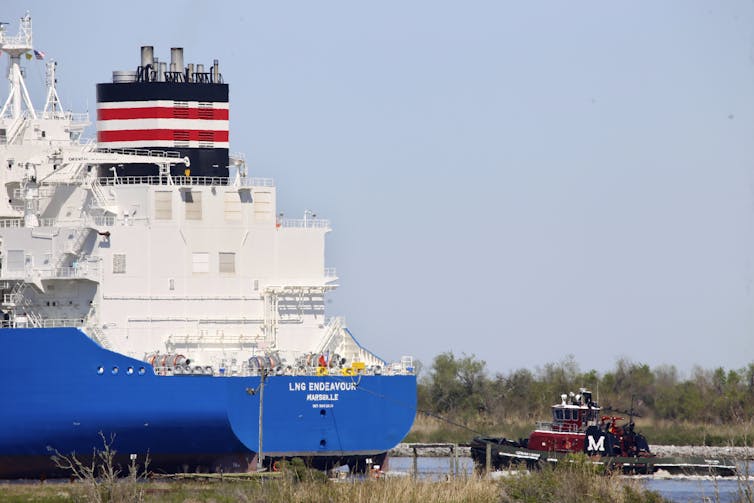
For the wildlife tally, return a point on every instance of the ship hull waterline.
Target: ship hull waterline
(65, 394)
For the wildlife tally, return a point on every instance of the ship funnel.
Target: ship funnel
(147, 55)
(176, 59)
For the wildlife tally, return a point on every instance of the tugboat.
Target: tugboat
(578, 427)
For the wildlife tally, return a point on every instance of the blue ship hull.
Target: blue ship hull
(62, 392)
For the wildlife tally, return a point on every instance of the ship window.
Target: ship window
(200, 262)
(567, 414)
(232, 207)
(256, 285)
(171, 284)
(263, 206)
(227, 262)
(558, 413)
(163, 205)
(119, 263)
(193, 200)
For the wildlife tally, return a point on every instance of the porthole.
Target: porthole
(115, 370)
(142, 371)
(100, 370)
(130, 370)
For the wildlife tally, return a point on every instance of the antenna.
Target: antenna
(15, 47)
(53, 108)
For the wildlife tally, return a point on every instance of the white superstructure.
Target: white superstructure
(157, 266)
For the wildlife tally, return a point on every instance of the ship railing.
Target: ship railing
(75, 118)
(304, 223)
(42, 191)
(141, 152)
(86, 270)
(564, 427)
(12, 298)
(61, 322)
(7, 223)
(132, 180)
(78, 117)
(22, 39)
(200, 180)
(99, 220)
(23, 321)
(107, 221)
(256, 182)
(282, 370)
(161, 180)
(184, 180)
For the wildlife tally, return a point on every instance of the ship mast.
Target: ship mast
(53, 108)
(15, 46)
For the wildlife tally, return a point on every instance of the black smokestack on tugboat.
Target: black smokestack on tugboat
(166, 108)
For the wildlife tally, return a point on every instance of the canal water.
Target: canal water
(679, 489)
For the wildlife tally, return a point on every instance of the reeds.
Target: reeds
(541, 487)
(575, 481)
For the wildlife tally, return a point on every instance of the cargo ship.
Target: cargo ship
(154, 296)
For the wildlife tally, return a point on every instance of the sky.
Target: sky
(519, 181)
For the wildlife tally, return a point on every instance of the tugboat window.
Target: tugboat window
(559, 414)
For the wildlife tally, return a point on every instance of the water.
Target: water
(679, 489)
(693, 490)
(432, 468)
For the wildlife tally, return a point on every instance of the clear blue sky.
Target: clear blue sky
(515, 180)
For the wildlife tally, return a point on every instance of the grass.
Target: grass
(576, 481)
(103, 482)
(541, 487)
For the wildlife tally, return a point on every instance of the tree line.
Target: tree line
(461, 388)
